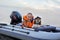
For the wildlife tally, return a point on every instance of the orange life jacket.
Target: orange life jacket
(27, 23)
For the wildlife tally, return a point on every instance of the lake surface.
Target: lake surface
(49, 17)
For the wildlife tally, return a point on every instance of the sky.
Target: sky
(36, 4)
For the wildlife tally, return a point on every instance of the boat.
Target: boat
(28, 33)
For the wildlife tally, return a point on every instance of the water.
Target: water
(4, 37)
(50, 17)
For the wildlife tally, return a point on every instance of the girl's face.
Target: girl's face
(38, 19)
(29, 16)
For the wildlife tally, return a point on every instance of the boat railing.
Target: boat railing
(13, 29)
(15, 26)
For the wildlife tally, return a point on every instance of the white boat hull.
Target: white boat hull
(25, 34)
